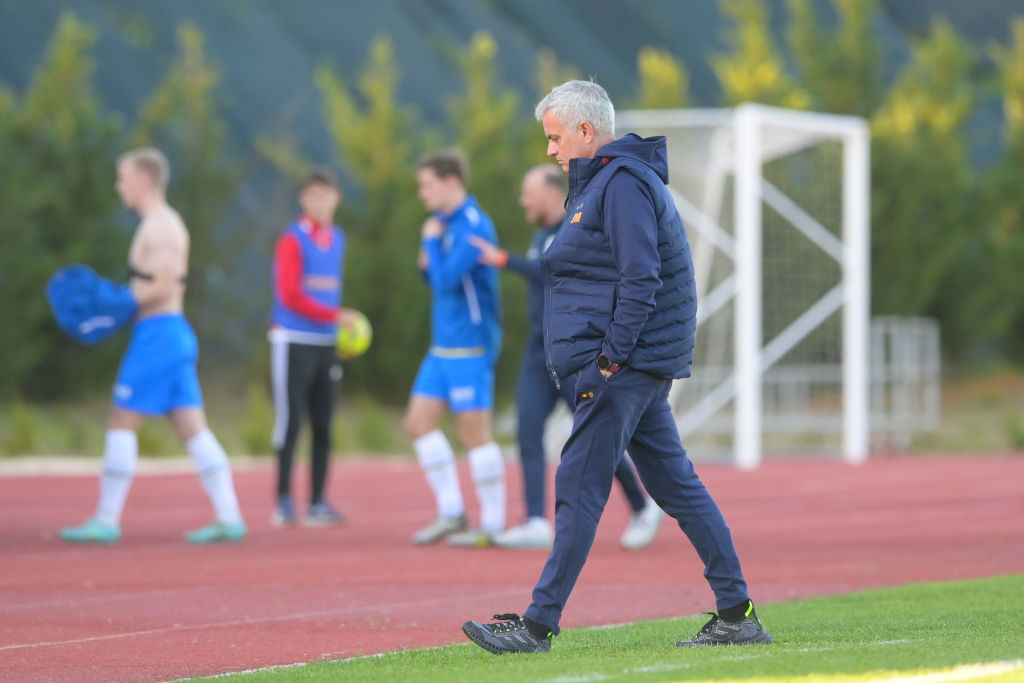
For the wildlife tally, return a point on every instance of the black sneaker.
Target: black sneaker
(508, 636)
(718, 631)
(321, 513)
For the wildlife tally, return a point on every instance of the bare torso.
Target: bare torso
(158, 258)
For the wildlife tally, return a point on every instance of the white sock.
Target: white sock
(119, 459)
(488, 468)
(438, 462)
(215, 474)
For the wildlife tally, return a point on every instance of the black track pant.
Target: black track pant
(303, 378)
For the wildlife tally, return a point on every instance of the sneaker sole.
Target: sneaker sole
(476, 633)
(91, 541)
(763, 638)
(473, 632)
(437, 537)
(216, 540)
(636, 546)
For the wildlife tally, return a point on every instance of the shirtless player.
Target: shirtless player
(158, 371)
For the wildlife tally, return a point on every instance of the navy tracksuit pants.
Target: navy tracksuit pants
(537, 396)
(629, 410)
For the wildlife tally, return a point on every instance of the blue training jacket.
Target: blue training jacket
(465, 303)
(619, 275)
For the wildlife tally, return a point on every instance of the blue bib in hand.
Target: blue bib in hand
(89, 308)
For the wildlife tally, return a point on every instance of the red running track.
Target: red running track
(154, 608)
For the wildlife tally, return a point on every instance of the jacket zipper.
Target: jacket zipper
(570, 200)
(547, 338)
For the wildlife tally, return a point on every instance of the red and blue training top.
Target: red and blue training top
(307, 282)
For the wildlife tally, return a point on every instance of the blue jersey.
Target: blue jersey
(465, 306)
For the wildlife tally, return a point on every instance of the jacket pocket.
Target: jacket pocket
(590, 298)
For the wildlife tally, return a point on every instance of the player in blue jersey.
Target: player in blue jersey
(458, 370)
(158, 372)
(304, 322)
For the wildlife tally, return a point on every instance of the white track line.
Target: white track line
(74, 466)
(84, 600)
(257, 620)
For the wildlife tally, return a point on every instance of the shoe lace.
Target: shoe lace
(509, 622)
(710, 625)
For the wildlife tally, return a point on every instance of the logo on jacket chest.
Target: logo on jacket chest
(577, 213)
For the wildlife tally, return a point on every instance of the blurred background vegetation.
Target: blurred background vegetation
(946, 202)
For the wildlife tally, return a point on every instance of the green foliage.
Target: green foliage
(280, 153)
(664, 83)
(157, 438)
(23, 430)
(258, 423)
(840, 67)
(368, 427)
(551, 73)
(379, 141)
(995, 312)
(57, 204)
(51, 428)
(1010, 63)
(946, 241)
(182, 117)
(383, 222)
(754, 71)
(56, 201)
(501, 144)
(1014, 431)
(922, 198)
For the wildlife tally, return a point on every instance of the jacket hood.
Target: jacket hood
(652, 152)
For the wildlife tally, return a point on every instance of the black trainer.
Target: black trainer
(718, 631)
(508, 636)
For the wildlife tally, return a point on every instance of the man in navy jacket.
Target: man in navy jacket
(542, 197)
(620, 315)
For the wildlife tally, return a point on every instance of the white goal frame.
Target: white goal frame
(743, 151)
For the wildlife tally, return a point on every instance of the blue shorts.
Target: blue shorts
(158, 371)
(465, 383)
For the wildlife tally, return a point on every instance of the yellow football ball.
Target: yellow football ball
(354, 338)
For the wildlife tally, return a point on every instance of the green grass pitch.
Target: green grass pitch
(920, 633)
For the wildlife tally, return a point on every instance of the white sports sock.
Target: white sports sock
(120, 456)
(488, 468)
(437, 459)
(214, 472)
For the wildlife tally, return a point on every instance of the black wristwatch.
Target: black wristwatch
(605, 364)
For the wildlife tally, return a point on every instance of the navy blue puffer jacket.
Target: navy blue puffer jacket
(619, 276)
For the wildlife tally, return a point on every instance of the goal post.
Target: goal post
(782, 274)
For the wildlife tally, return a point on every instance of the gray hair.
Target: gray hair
(150, 161)
(574, 102)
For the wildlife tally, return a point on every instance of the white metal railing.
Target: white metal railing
(905, 389)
